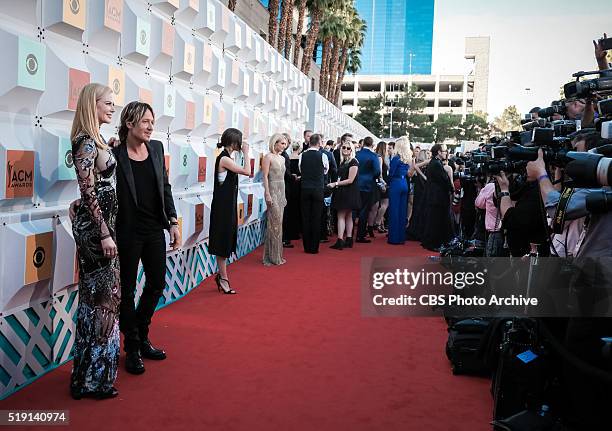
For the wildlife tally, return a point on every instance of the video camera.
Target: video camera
(578, 89)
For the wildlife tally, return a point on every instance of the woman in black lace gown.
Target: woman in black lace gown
(96, 346)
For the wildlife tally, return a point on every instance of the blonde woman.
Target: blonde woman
(346, 197)
(96, 346)
(398, 191)
(273, 168)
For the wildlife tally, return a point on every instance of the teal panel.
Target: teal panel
(9, 350)
(31, 64)
(40, 357)
(18, 328)
(65, 170)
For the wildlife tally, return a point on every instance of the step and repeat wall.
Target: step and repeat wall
(201, 68)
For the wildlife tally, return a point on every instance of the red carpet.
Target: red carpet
(290, 351)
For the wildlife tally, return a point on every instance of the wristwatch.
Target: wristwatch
(502, 194)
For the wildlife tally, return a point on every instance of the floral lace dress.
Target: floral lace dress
(273, 247)
(96, 346)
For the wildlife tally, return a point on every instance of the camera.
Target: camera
(556, 108)
(580, 89)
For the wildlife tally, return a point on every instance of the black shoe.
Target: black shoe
(288, 245)
(371, 231)
(76, 394)
(133, 362)
(148, 351)
(220, 287)
(339, 245)
(363, 241)
(348, 242)
(381, 229)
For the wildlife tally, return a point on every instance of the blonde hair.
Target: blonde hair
(86, 115)
(351, 156)
(274, 139)
(402, 149)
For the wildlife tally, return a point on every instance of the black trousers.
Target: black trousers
(312, 206)
(366, 205)
(151, 249)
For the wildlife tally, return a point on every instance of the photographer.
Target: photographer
(489, 201)
(588, 398)
(522, 214)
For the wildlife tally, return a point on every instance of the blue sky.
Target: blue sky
(535, 45)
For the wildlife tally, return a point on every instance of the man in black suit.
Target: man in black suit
(146, 209)
(306, 144)
(313, 166)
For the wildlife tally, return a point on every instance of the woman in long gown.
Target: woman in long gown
(398, 191)
(438, 225)
(223, 210)
(96, 346)
(273, 168)
(419, 180)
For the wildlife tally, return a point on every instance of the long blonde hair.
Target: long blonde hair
(86, 116)
(402, 149)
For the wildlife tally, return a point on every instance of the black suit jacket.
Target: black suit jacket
(126, 188)
(439, 186)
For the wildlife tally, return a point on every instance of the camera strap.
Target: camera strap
(560, 211)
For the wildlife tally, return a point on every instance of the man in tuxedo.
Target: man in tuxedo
(307, 135)
(369, 171)
(314, 165)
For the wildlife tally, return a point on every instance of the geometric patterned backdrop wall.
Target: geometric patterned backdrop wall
(201, 68)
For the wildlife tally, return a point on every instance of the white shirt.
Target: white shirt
(323, 159)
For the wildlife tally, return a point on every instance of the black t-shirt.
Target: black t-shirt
(149, 201)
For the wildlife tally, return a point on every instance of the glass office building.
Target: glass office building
(397, 29)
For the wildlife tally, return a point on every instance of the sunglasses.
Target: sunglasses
(345, 148)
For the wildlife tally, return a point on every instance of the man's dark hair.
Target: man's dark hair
(392, 144)
(417, 147)
(368, 142)
(307, 131)
(435, 150)
(315, 140)
(330, 142)
(346, 137)
(534, 110)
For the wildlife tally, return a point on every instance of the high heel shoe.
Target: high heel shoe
(218, 280)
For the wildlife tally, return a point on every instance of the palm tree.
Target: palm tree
(301, 5)
(329, 27)
(316, 8)
(272, 21)
(339, 38)
(287, 10)
(231, 5)
(289, 35)
(352, 45)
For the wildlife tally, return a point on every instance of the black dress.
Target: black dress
(294, 214)
(96, 344)
(223, 233)
(438, 224)
(417, 220)
(347, 197)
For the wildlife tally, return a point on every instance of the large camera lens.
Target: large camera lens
(600, 201)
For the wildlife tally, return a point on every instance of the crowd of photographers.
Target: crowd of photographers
(544, 191)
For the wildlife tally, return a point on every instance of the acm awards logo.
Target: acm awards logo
(116, 87)
(31, 64)
(75, 6)
(18, 179)
(169, 101)
(113, 13)
(185, 159)
(39, 256)
(143, 37)
(189, 59)
(199, 217)
(68, 160)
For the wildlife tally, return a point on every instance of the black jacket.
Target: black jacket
(126, 188)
